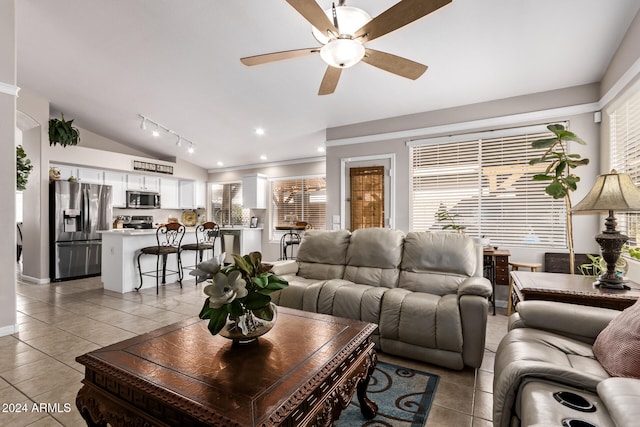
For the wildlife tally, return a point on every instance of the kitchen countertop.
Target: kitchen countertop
(138, 232)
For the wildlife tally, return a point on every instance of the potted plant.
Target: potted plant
(23, 168)
(62, 132)
(445, 216)
(560, 174)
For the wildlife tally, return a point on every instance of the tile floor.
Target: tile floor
(60, 321)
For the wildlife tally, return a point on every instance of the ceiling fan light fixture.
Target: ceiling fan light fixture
(350, 19)
(342, 53)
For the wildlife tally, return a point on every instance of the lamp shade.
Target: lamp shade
(611, 192)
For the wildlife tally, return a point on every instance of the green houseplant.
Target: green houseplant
(445, 216)
(62, 132)
(559, 173)
(23, 168)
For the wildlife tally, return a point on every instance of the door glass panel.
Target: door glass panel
(367, 197)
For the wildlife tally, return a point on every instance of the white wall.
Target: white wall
(8, 320)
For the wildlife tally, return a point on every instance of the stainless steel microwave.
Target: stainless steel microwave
(143, 200)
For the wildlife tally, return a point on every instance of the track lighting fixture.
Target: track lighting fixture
(159, 127)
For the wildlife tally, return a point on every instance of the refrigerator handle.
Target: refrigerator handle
(86, 214)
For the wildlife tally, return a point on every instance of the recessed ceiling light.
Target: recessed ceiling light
(259, 131)
(191, 149)
(220, 163)
(321, 150)
(263, 157)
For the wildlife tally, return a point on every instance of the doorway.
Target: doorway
(367, 192)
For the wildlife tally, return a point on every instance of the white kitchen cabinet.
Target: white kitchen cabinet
(254, 191)
(90, 176)
(201, 195)
(187, 195)
(118, 183)
(143, 182)
(169, 193)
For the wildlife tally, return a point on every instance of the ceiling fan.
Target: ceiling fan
(343, 31)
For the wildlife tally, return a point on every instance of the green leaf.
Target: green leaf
(544, 143)
(556, 128)
(542, 177)
(235, 308)
(536, 161)
(242, 264)
(573, 156)
(260, 281)
(256, 300)
(205, 313)
(561, 167)
(217, 320)
(556, 190)
(264, 313)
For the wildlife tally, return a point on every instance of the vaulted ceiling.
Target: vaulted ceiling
(178, 62)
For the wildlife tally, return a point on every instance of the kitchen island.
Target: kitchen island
(120, 248)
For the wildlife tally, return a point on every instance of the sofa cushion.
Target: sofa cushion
(373, 257)
(322, 254)
(343, 298)
(436, 262)
(621, 397)
(617, 347)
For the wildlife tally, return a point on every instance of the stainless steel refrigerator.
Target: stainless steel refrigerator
(76, 213)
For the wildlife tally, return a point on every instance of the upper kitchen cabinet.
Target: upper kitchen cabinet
(193, 194)
(169, 193)
(254, 191)
(143, 183)
(201, 194)
(118, 183)
(91, 176)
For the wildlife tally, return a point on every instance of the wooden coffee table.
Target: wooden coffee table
(570, 288)
(303, 372)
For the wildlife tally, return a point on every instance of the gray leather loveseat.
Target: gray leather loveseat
(424, 290)
(547, 359)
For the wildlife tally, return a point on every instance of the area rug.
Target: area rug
(403, 396)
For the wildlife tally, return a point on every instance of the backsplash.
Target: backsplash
(160, 216)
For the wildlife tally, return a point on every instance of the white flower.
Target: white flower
(206, 269)
(224, 289)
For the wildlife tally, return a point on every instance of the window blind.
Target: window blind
(624, 139)
(486, 186)
(299, 199)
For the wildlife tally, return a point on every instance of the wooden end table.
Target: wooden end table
(570, 288)
(303, 372)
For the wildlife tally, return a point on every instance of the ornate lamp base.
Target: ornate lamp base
(611, 243)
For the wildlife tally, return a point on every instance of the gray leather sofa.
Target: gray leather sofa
(548, 350)
(424, 290)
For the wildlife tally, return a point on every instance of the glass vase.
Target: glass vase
(246, 329)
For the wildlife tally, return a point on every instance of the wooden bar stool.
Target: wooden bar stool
(533, 266)
(168, 239)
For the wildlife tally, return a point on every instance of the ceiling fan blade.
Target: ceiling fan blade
(330, 81)
(278, 56)
(402, 13)
(394, 64)
(313, 13)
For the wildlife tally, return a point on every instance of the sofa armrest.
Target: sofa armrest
(285, 267)
(571, 320)
(621, 397)
(475, 286)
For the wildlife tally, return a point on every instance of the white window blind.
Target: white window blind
(486, 185)
(299, 199)
(625, 156)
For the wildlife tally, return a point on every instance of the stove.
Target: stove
(140, 222)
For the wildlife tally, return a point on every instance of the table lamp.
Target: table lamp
(611, 192)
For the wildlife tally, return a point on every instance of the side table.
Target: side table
(570, 288)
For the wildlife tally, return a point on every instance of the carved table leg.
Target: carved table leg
(368, 407)
(89, 408)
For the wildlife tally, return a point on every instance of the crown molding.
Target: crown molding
(9, 89)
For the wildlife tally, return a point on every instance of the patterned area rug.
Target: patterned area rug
(403, 396)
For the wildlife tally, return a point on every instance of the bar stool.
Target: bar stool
(533, 266)
(292, 238)
(168, 238)
(206, 235)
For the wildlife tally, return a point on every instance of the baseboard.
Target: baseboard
(35, 280)
(8, 330)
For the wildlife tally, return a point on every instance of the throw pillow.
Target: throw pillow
(617, 347)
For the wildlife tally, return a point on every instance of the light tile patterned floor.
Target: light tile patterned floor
(60, 321)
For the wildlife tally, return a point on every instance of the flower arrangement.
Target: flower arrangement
(238, 292)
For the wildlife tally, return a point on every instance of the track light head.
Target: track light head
(179, 141)
(156, 131)
(143, 124)
(190, 148)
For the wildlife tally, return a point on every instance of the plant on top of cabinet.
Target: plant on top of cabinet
(62, 132)
(23, 168)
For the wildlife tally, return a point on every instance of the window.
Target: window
(226, 204)
(624, 136)
(485, 184)
(299, 199)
